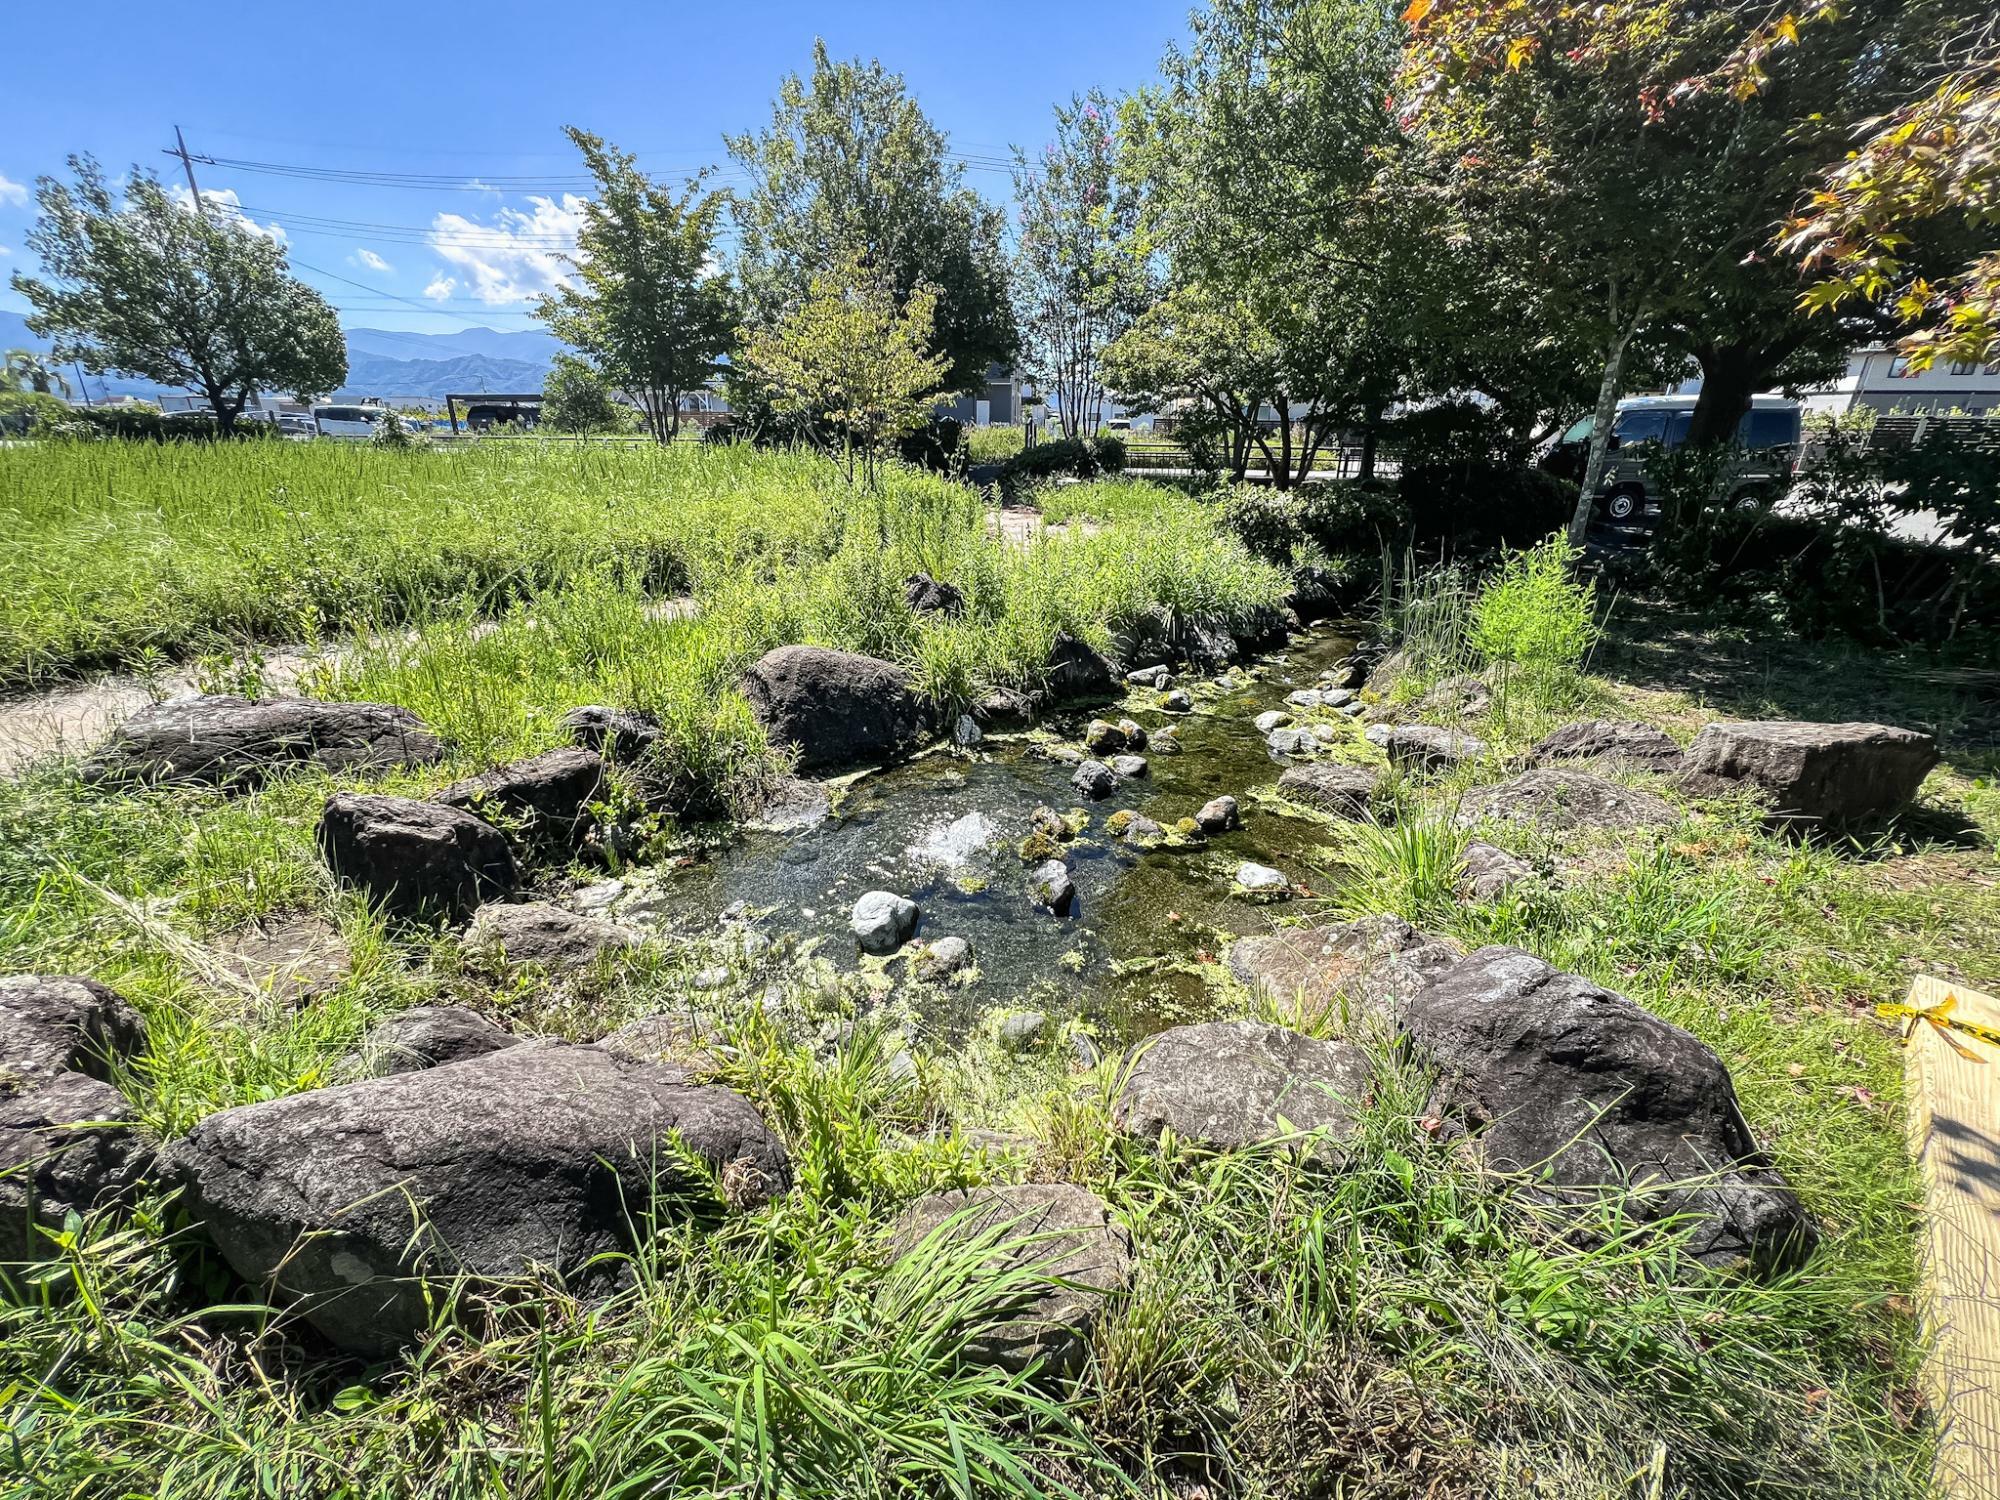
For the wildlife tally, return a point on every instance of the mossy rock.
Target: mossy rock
(1037, 847)
(1118, 822)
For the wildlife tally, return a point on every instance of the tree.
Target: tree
(1624, 150)
(575, 398)
(850, 167)
(1076, 284)
(848, 365)
(175, 294)
(648, 307)
(25, 370)
(1288, 275)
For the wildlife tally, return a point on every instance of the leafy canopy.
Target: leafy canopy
(848, 365)
(647, 306)
(851, 167)
(181, 294)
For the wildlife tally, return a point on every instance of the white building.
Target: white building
(1880, 379)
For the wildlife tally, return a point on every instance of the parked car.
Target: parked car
(295, 425)
(347, 421)
(1768, 436)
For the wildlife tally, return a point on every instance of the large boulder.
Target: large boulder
(348, 1199)
(1057, 1242)
(540, 932)
(1344, 791)
(1820, 772)
(216, 739)
(1356, 971)
(545, 799)
(50, 1026)
(1617, 742)
(1559, 798)
(1581, 1091)
(836, 708)
(1075, 673)
(429, 1036)
(69, 1146)
(416, 859)
(1228, 1084)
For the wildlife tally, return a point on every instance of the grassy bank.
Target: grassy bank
(1393, 1328)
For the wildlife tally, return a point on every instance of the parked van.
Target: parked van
(1769, 436)
(347, 421)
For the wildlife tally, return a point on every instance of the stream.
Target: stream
(943, 829)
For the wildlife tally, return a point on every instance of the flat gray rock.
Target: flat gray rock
(1819, 772)
(1489, 872)
(1219, 815)
(218, 739)
(540, 932)
(1617, 742)
(429, 1036)
(1560, 798)
(1228, 1084)
(73, 1145)
(1095, 780)
(346, 1199)
(1076, 1254)
(58, 1024)
(416, 859)
(544, 800)
(1425, 747)
(1359, 971)
(1344, 791)
(1581, 1092)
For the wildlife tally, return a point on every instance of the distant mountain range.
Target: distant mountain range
(381, 362)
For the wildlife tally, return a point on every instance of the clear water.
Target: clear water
(944, 830)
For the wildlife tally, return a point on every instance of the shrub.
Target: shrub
(1337, 519)
(1484, 503)
(148, 424)
(394, 433)
(24, 412)
(1085, 458)
(938, 445)
(1535, 613)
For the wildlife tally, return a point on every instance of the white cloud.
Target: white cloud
(441, 287)
(223, 201)
(6, 250)
(368, 260)
(12, 192)
(517, 256)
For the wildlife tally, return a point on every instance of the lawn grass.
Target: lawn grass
(1396, 1327)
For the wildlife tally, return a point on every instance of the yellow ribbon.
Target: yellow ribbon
(1944, 1023)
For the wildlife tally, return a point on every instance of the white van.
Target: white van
(347, 421)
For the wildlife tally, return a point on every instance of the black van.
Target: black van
(1769, 436)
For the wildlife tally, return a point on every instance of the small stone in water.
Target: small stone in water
(1128, 766)
(1262, 883)
(883, 921)
(1051, 887)
(1166, 741)
(967, 731)
(1134, 732)
(1303, 698)
(1022, 1030)
(1102, 738)
(1218, 816)
(1326, 734)
(1095, 780)
(1178, 702)
(1143, 831)
(1293, 742)
(945, 957)
(1152, 677)
(1273, 718)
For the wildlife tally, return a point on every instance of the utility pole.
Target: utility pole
(180, 149)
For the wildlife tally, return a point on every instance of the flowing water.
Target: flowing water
(944, 829)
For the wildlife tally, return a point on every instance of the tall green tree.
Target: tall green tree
(1260, 154)
(1077, 285)
(25, 370)
(1616, 151)
(648, 306)
(850, 366)
(851, 168)
(174, 293)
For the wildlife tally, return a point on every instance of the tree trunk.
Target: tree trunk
(1371, 432)
(1600, 433)
(1730, 375)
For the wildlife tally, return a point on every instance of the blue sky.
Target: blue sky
(479, 93)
